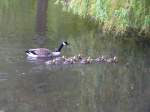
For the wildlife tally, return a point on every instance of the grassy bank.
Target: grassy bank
(114, 15)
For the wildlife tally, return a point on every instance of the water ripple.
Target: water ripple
(3, 76)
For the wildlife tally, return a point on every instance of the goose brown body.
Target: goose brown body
(44, 52)
(40, 52)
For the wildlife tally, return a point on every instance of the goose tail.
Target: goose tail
(27, 51)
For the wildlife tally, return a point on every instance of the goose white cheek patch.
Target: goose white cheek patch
(64, 43)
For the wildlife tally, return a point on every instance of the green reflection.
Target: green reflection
(17, 16)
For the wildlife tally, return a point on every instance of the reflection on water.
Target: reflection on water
(41, 22)
(33, 86)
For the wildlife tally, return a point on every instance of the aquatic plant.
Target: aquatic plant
(121, 15)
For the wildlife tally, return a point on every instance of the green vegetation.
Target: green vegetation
(118, 15)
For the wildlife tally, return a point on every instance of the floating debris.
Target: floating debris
(78, 59)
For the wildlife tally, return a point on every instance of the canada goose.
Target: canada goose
(87, 60)
(68, 61)
(100, 59)
(112, 60)
(56, 61)
(44, 52)
(78, 59)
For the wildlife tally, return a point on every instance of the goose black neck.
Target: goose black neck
(60, 47)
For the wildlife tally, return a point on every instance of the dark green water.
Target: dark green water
(27, 86)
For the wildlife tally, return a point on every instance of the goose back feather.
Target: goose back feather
(44, 52)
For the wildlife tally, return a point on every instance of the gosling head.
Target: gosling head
(79, 56)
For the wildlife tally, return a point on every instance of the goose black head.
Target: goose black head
(65, 43)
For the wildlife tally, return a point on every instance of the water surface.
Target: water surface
(32, 86)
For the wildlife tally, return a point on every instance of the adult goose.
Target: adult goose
(44, 52)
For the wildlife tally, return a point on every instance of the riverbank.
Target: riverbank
(119, 17)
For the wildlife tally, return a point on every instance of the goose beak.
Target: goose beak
(67, 43)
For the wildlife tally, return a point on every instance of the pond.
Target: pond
(33, 86)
